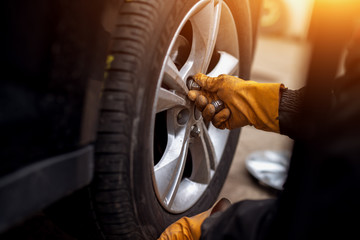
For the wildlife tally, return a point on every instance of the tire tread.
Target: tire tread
(111, 190)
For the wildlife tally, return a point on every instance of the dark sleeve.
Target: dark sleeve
(291, 101)
(290, 107)
(246, 220)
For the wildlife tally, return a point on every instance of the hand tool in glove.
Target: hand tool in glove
(246, 102)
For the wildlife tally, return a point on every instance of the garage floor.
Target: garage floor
(277, 60)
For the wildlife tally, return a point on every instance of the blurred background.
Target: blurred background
(282, 55)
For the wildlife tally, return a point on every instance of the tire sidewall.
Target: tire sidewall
(152, 217)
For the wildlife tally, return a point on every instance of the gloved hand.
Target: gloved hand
(246, 102)
(190, 228)
(185, 228)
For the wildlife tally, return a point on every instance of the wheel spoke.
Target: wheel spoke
(172, 77)
(177, 177)
(227, 64)
(169, 170)
(218, 139)
(213, 33)
(167, 100)
(188, 190)
(205, 24)
(209, 145)
(201, 156)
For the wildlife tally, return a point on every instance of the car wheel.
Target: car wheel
(156, 159)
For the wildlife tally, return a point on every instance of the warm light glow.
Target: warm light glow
(292, 17)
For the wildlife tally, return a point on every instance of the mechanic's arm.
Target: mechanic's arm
(266, 106)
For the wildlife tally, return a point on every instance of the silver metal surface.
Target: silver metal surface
(192, 85)
(269, 167)
(176, 192)
(195, 131)
(219, 105)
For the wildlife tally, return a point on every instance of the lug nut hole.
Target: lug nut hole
(183, 116)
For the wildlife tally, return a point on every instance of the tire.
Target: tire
(125, 196)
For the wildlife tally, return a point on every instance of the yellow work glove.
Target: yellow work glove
(185, 228)
(246, 102)
(189, 228)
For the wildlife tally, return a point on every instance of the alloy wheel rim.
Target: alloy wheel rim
(190, 149)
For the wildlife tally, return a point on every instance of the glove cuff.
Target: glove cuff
(264, 104)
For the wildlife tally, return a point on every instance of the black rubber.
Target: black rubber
(123, 204)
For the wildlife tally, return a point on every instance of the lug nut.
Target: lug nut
(192, 85)
(195, 131)
(219, 105)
